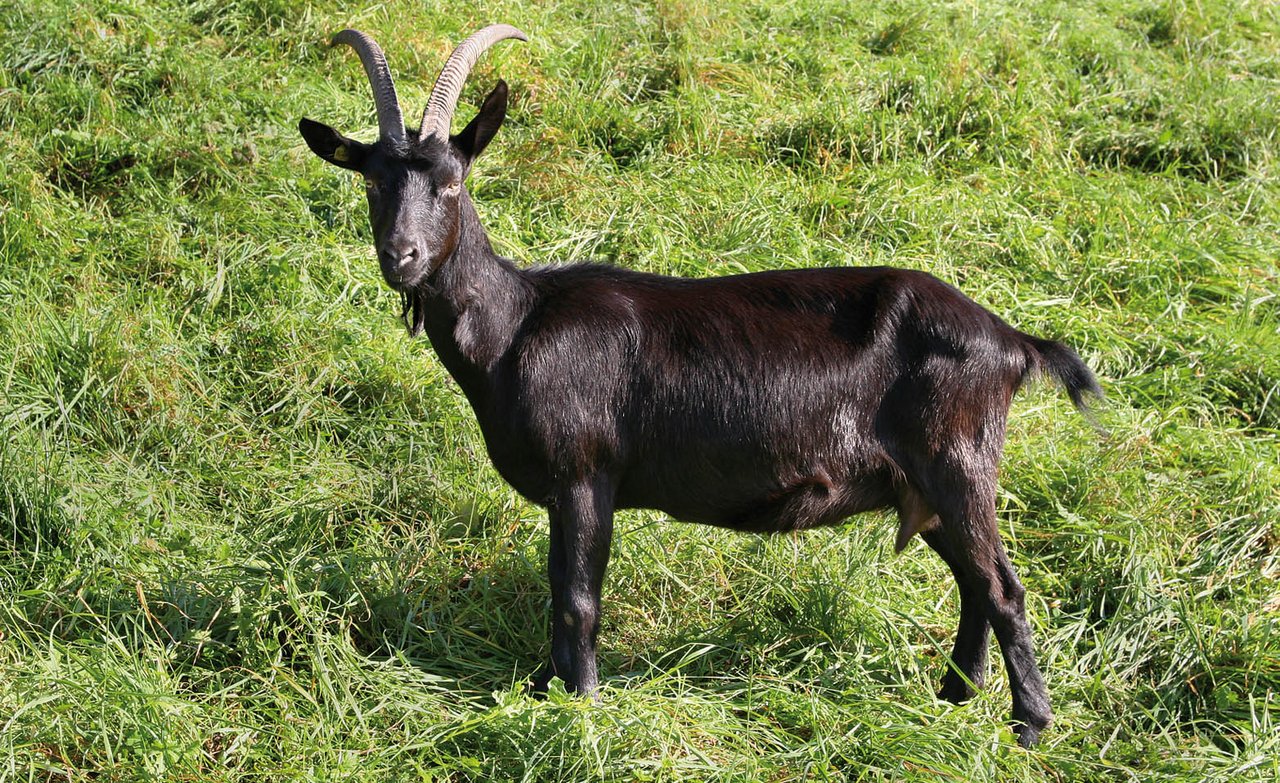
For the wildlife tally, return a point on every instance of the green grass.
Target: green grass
(248, 530)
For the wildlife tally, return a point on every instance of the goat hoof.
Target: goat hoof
(537, 687)
(1029, 734)
(956, 691)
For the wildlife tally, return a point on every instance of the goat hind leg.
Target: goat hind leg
(968, 668)
(985, 574)
(1006, 611)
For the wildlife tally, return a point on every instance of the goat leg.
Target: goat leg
(971, 538)
(1007, 614)
(581, 531)
(968, 669)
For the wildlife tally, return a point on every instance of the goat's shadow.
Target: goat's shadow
(473, 625)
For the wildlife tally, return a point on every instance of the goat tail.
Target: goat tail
(1066, 367)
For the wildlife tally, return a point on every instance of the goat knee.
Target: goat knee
(581, 614)
(1005, 596)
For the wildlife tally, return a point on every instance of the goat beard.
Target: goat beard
(413, 311)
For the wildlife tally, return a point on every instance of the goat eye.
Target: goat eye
(451, 188)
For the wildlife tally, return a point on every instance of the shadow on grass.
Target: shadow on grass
(476, 621)
(300, 610)
(471, 614)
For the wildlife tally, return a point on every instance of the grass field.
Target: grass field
(248, 529)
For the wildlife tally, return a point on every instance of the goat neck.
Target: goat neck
(472, 306)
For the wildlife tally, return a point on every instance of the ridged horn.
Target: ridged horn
(444, 95)
(390, 121)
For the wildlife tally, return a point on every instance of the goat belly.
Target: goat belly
(764, 506)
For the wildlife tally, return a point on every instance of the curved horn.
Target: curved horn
(390, 121)
(444, 95)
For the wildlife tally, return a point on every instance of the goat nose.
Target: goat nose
(407, 257)
(400, 254)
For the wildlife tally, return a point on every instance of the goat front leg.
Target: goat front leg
(581, 531)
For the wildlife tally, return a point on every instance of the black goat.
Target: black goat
(764, 402)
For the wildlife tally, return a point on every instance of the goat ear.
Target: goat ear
(480, 131)
(332, 146)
